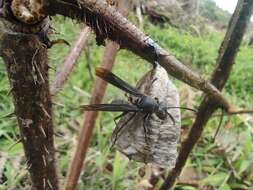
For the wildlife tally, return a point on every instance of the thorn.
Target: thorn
(58, 104)
(43, 132)
(46, 46)
(98, 27)
(52, 68)
(105, 28)
(34, 77)
(54, 30)
(111, 2)
(15, 143)
(58, 134)
(14, 60)
(44, 183)
(49, 184)
(26, 122)
(25, 138)
(40, 74)
(13, 114)
(34, 55)
(10, 91)
(79, 4)
(45, 111)
(34, 68)
(28, 167)
(44, 160)
(46, 150)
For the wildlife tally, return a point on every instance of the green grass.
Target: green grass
(106, 169)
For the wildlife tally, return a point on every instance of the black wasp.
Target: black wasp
(142, 104)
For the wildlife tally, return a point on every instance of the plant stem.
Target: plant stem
(70, 61)
(225, 61)
(26, 61)
(108, 23)
(98, 93)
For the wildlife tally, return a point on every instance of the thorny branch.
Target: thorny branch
(108, 23)
(70, 61)
(225, 61)
(90, 117)
(26, 61)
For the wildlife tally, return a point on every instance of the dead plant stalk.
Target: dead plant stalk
(208, 106)
(98, 93)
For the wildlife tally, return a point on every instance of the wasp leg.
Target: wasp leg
(118, 117)
(117, 130)
(172, 118)
(145, 119)
(153, 81)
(115, 121)
(220, 123)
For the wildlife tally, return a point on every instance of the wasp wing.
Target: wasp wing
(116, 81)
(111, 107)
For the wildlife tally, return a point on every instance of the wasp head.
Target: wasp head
(161, 111)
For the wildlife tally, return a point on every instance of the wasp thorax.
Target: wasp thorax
(149, 139)
(147, 104)
(162, 112)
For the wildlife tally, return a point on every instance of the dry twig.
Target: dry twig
(225, 61)
(70, 61)
(90, 117)
(108, 23)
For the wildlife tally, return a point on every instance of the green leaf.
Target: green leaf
(215, 179)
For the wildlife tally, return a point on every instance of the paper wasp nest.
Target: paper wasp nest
(160, 145)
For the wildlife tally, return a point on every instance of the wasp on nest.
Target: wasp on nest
(149, 126)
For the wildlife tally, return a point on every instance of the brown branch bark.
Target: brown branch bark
(225, 61)
(108, 23)
(90, 117)
(70, 61)
(26, 61)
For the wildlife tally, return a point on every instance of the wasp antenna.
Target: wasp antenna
(183, 108)
(189, 109)
(172, 118)
(219, 126)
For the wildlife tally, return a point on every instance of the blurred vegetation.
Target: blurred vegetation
(211, 11)
(225, 163)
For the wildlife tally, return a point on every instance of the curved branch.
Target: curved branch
(108, 23)
(225, 61)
